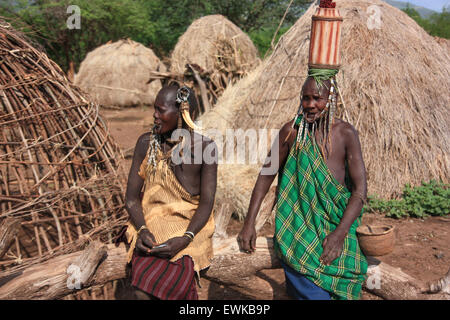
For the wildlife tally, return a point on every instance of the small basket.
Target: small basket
(376, 240)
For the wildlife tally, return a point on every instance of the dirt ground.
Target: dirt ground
(422, 247)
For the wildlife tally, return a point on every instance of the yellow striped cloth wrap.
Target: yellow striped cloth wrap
(168, 209)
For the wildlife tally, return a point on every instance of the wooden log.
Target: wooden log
(230, 264)
(113, 267)
(390, 283)
(49, 280)
(56, 277)
(440, 285)
(9, 229)
(227, 265)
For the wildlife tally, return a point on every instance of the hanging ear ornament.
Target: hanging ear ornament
(153, 148)
(333, 103)
(182, 98)
(301, 134)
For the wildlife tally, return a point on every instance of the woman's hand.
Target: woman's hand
(170, 248)
(332, 247)
(145, 241)
(247, 238)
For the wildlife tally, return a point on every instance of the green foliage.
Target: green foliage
(101, 21)
(432, 198)
(438, 24)
(262, 38)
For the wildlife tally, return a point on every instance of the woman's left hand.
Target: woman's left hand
(170, 248)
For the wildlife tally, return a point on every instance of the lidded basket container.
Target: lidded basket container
(324, 48)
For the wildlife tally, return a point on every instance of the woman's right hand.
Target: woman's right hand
(247, 238)
(145, 241)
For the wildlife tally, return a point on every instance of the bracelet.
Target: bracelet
(144, 227)
(190, 235)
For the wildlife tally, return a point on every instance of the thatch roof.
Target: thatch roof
(395, 88)
(117, 74)
(59, 172)
(219, 47)
(445, 43)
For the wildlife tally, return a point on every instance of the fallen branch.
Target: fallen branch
(441, 285)
(56, 277)
(390, 283)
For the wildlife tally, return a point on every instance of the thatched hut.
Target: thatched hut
(60, 178)
(117, 74)
(396, 92)
(218, 47)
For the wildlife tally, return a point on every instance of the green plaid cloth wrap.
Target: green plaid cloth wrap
(310, 205)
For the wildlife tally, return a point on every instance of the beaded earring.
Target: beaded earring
(153, 148)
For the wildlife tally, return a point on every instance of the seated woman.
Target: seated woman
(171, 226)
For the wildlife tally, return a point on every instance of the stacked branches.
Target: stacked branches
(394, 81)
(117, 74)
(59, 168)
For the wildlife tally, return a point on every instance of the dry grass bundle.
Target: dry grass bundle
(117, 74)
(220, 48)
(235, 182)
(60, 174)
(395, 88)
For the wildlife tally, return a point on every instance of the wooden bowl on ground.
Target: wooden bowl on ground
(376, 240)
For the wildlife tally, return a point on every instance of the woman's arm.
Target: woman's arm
(133, 195)
(135, 183)
(282, 144)
(333, 243)
(208, 185)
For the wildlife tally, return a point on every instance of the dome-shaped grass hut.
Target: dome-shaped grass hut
(117, 74)
(218, 47)
(396, 92)
(60, 178)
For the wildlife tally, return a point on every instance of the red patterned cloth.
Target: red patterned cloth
(164, 279)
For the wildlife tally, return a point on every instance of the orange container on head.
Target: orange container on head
(324, 47)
